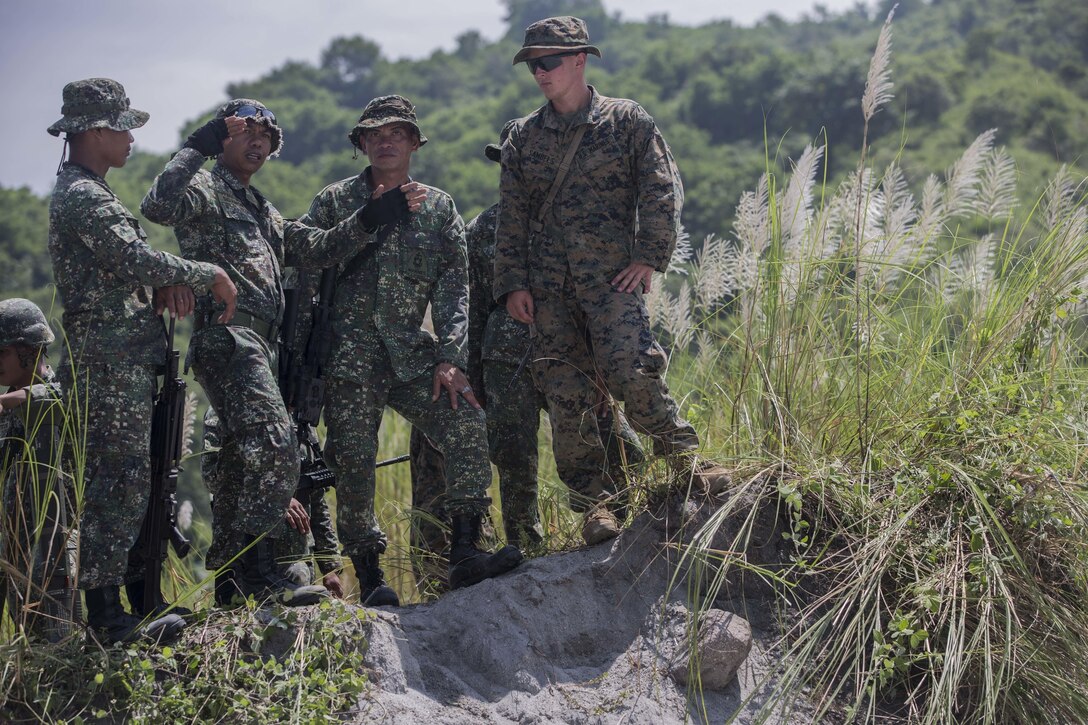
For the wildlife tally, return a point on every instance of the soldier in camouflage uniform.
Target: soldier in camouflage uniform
(219, 217)
(114, 339)
(497, 350)
(382, 356)
(582, 269)
(37, 541)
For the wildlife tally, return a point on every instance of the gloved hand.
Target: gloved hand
(208, 139)
(390, 207)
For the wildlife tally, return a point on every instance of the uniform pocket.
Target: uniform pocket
(419, 256)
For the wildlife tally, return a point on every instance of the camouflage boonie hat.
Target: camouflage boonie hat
(382, 111)
(563, 33)
(96, 103)
(230, 108)
(23, 323)
(494, 151)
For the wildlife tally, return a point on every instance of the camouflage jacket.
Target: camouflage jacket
(105, 273)
(249, 239)
(620, 202)
(30, 435)
(492, 333)
(381, 298)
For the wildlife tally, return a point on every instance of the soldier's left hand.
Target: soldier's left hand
(333, 584)
(178, 298)
(296, 517)
(454, 381)
(415, 194)
(634, 275)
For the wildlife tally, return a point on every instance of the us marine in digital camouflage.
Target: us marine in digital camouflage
(219, 217)
(382, 356)
(498, 347)
(114, 340)
(577, 263)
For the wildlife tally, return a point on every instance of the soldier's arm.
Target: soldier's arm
(511, 267)
(660, 195)
(172, 199)
(103, 225)
(479, 292)
(449, 303)
(312, 247)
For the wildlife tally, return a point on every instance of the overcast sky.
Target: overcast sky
(175, 58)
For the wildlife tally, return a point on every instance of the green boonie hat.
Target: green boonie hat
(562, 33)
(96, 103)
(382, 111)
(23, 323)
(494, 151)
(262, 116)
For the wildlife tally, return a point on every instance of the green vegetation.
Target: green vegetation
(885, 332)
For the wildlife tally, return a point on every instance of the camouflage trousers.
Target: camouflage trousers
(353, 414)
(513, 417)
(258, 462)
(583, 333)
(111, 406)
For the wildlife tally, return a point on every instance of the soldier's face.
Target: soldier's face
(12, 372)
(116, 146)
(560, 81)
(246, 153)
(390, 147)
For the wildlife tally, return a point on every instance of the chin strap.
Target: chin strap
(63, 155)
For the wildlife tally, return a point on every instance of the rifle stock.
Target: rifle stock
(160, 522)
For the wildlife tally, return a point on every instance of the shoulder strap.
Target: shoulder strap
(537, 224)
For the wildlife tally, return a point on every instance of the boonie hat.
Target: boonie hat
(562, 33)
(96, 103)
(385, 110)
(249, 108)
(494, 151)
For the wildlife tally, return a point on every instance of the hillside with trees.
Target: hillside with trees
(727, 98)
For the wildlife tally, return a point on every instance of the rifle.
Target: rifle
(160, 522)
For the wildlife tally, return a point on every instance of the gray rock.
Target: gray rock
(722, 644)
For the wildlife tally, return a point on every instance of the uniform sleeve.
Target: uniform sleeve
(511, 271)
(479, 292)
(449, 304)
(105, 227)
(660, 195)
(172, 199)
(314, 247)
(326, 543)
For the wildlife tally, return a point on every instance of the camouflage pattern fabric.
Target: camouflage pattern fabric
(37, 538)
(381, 355)
(620, 204)
(219, 220)
(112, 406)
(105, 272)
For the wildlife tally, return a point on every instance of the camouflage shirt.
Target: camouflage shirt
(105, 272)
(620, 202)
(381, 298)
(30, 434)
(492, 333)
(219, 220)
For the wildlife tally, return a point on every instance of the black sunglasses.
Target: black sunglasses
(549, 62)
(248, 111)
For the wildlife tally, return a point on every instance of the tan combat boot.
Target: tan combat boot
(708, 476)
(599, 524)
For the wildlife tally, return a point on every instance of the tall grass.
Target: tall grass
(911, 373)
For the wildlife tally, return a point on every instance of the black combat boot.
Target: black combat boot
(259, 576)
(373, 591)
(135, 592)
(227, 594)
(469, 565)
(112, 623)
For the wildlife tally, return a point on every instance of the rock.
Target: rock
(723, 643)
